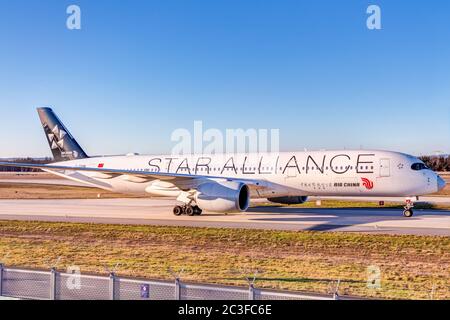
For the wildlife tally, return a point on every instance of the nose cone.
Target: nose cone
(440, 183)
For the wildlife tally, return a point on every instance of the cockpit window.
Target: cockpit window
(419, 166)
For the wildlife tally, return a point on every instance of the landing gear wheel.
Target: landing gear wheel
(189, 211)
(408, 213)
(197, 210)
(178, 211)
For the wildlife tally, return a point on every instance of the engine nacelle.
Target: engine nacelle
(223, 196)
(289, 200)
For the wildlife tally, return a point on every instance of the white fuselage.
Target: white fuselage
(315, 173)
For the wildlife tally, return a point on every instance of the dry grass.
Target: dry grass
(42, 191)
(311, 261)
(446, 190)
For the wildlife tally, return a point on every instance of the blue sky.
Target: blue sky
(137, 70)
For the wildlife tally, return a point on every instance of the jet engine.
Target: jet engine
(289, 200)
(223, 196)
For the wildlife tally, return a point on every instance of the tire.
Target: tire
(178, 211)
(197, 211)
(408, 213)
(190, 211)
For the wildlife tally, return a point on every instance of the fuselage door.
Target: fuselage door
(385, 167)
(291, 172)
(290, 177)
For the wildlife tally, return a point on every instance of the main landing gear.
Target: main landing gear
(187, 210)
(408, 212)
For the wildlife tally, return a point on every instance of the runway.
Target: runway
(159, 212)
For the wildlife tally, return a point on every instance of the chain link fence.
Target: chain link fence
(54, 285)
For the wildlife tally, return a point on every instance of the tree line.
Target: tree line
(437, 163)
(25, 160)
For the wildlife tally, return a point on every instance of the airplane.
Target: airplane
(226, 183)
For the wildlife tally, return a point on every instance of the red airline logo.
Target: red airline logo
(101, 165)
(367, 183)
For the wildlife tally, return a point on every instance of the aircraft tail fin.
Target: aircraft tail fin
(63, 145)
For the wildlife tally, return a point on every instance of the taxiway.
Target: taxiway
(159, 212)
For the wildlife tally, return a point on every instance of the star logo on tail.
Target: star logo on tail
(56, 138)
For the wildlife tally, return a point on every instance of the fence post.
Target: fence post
(112, 286)
(1, 279)
(251, 292)
(177, 289)
(53, 284)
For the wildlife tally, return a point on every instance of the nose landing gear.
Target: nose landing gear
(408, 212)
(187, 210)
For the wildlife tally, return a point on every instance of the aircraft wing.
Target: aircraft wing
(182, 181)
